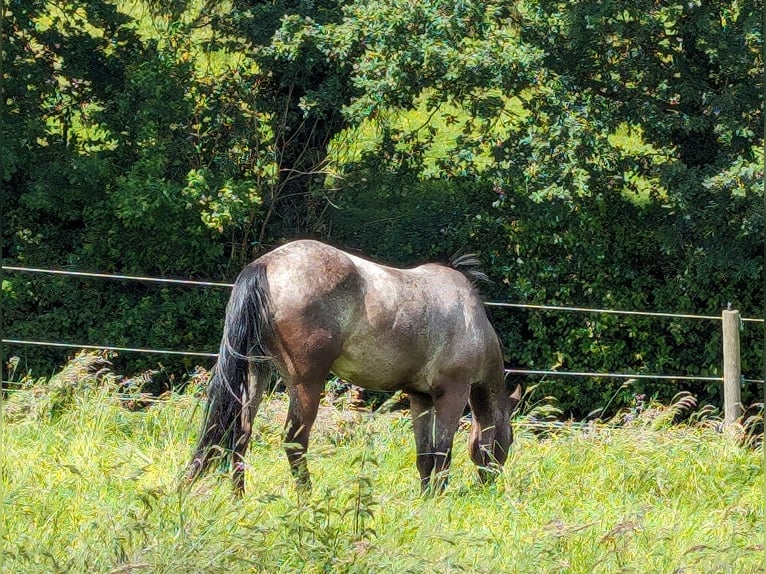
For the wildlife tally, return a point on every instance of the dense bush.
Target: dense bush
(599, 155)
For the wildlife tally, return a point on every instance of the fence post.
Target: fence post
(732, 371)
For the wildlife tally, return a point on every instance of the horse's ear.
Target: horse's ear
(516, 395)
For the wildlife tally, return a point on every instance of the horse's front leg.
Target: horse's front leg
(435, 419)
(301, 414)
(491, 434)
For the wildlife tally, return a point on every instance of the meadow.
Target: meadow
(90, 484)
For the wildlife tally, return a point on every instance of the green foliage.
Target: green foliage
(620, 183)
(430, 222)
(453, 51)
(113, 204)
(602, 154)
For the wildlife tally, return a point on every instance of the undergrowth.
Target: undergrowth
(92, 486)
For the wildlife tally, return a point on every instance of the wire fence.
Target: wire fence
(108, 348)
(600, 311)
(534, 306)
(116, 276)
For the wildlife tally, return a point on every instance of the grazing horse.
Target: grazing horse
(308, 309)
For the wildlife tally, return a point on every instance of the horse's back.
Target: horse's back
(377, 326)
(304, 270)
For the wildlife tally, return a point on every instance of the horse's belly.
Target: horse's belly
(374, 370)
(386, 347)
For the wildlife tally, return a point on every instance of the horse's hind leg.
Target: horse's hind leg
(240, 448)
(301, 414)
(435, 420)
(258, 377)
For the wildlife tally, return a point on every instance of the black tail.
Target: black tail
(232, 401)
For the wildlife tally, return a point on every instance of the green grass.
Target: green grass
(90, 486)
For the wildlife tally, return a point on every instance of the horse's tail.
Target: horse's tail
(239, 377)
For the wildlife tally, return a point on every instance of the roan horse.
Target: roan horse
(309, 309)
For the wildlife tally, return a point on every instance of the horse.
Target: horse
(307, 309)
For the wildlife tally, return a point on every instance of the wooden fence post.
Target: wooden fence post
(732, 371)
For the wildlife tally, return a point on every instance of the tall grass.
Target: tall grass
(91, 486)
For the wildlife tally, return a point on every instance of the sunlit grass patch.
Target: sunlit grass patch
(95, 489)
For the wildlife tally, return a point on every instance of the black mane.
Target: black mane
(470, 266)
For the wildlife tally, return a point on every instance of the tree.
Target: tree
(630, 176)
(595, 153)
(647, 130)
(93, 179)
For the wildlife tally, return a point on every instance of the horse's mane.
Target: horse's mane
(470, 266)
